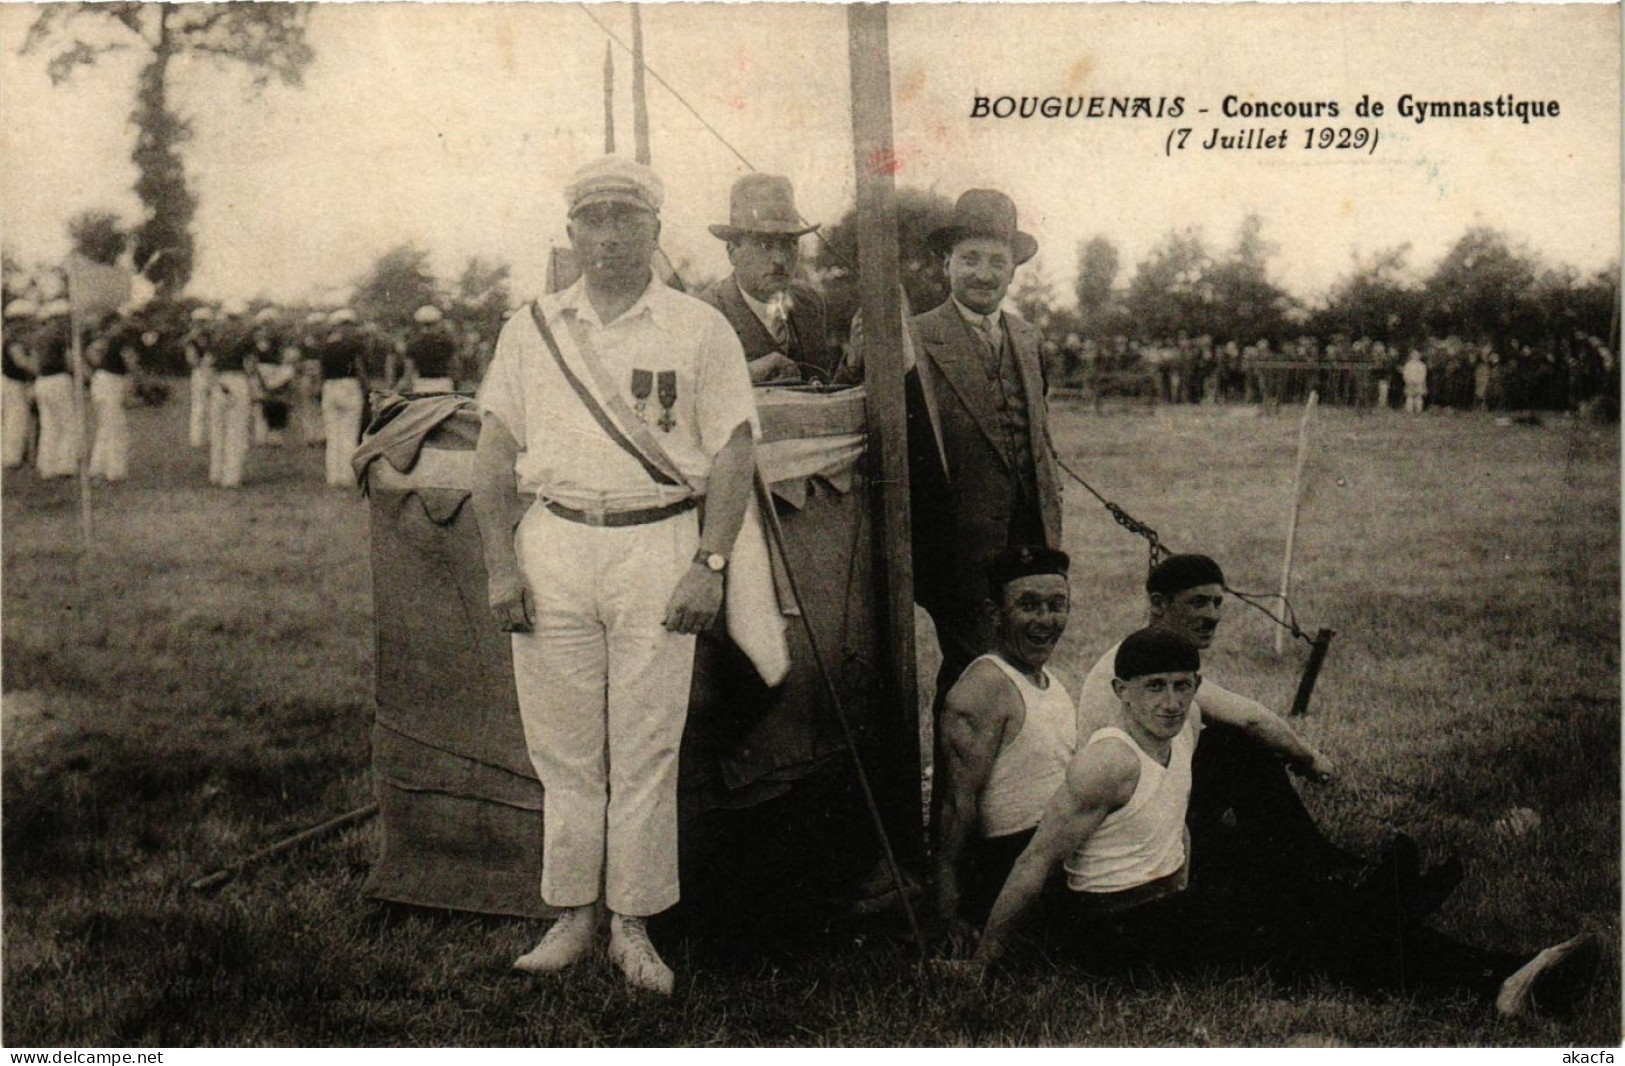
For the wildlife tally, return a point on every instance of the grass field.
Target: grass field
(199, 684)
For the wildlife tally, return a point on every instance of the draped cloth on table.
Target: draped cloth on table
(460, 806)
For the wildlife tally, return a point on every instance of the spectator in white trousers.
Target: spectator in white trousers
(16, 420)
(342, 355)
(61, 420)
(231, 408)
(116, 355)
(199, 349)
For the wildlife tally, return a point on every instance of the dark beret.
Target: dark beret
(1180, 572)
(1155, 651)
(1023, 560)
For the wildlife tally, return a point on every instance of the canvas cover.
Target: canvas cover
(460, 808)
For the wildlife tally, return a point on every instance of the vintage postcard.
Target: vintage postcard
(797, 524)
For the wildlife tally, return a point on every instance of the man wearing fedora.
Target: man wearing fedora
(979, 392)
(779, 320)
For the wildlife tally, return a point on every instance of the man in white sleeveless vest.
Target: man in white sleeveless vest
(1242, 804)
(598, 560)
(1007, 735)
(1116, 829)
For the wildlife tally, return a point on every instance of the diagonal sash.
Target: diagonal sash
(641, 444)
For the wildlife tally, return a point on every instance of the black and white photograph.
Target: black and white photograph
(995, 525)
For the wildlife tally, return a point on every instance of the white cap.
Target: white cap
(202, 314)
(342, 315)
(21, 308)
(266, 314)
(315, 318)
(426, 314)
(234, 308)
(55, 309)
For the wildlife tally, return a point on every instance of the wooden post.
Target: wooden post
(609, 99)
(1292, 523)
(81, 446)
(640, 99)
(878, 288)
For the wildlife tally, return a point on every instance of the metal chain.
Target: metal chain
(1159, 551)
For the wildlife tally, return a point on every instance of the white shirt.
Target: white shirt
(764, 312)
(564, 453)
(984, 325)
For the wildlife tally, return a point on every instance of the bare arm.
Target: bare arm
(498, 508)
(1266, 727)
(698, 596)
(1100, 779)
(974, 720)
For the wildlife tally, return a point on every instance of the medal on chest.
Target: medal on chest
(642, 385)
(668, 397)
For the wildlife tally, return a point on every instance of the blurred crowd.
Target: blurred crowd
(1551, 375)
(263, 375)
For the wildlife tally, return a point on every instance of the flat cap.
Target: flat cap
(615, 179)
(426, 314)
(21, 308)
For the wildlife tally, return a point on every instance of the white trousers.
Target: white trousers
(15, 421)
(202, 390)
(60, 427)
(341, 425)
(110, 451)
(230, 411)
(603, 694)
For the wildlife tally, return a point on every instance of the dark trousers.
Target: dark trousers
(1294, 927)
(1244, 812)
(990, 863)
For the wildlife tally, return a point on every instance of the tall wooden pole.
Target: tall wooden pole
(640, 98)
(609, 99)
(1292, 523)
(878, 291)
(80, 445)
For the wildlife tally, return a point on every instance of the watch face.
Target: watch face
(716, 562)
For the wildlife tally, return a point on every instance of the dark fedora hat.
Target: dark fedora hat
(983, 213)
(762, 203)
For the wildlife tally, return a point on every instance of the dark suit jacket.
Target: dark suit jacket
(962, 517)
(807, 341)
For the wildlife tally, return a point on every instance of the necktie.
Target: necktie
(779, 319)
(990, 333)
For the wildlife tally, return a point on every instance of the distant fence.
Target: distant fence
(1350, 383)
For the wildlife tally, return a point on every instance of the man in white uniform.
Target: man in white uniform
(1008, 733)
(597, 559)
(231, 407)
(61, 414)
(16, 420)
(199, 349)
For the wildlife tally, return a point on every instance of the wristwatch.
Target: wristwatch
(715, 562)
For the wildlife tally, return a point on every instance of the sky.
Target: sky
(456, 128)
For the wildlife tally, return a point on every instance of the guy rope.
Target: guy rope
(1319, 644)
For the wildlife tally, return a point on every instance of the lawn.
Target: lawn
(199, 684)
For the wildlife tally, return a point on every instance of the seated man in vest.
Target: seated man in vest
(1243, 808)
(1008, 733)
(1117, 829)
(779, 320)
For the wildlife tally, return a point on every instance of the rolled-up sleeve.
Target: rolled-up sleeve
(502, 392)
(725, 398)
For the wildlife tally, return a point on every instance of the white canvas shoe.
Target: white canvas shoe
(565, 942)
(630, 949)
(1551, 980)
